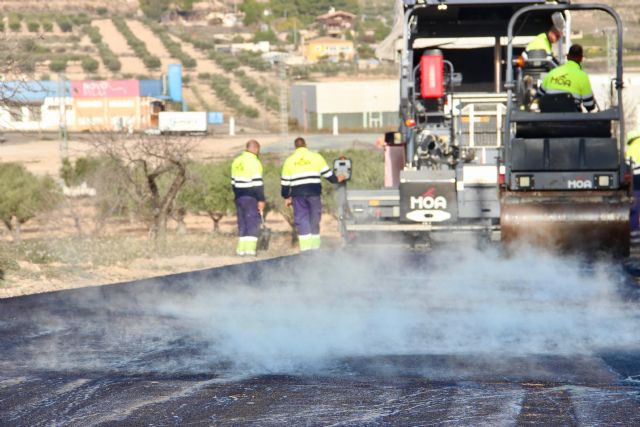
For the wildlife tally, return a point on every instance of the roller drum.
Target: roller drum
(568, 226)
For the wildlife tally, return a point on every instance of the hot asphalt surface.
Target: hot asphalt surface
(252, 345)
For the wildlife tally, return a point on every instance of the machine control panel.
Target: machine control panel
(342, 166)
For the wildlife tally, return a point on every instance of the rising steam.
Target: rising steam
(451, 302)
(321, 312)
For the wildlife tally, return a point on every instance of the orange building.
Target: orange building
(116, 114)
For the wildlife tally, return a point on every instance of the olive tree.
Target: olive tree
(24, 195)
(98, 177)
(209, 191)
(154, 170)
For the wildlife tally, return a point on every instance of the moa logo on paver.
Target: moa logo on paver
(428, 200)
(579, 184)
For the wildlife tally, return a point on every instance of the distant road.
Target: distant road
(325, 142)
(41, 152)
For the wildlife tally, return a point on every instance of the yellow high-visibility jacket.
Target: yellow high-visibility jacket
(541, 42)
(302, 174)
(246, 176)
(569, 78)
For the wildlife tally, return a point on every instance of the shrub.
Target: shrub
(64, 23)
(84, 170)
(268, 35)
(94, 34)
(15, 23)
(47, 25)
(80, 19)
(102, 11)
(208, 191)
(28, 65)
(33, 26)
(154, 9)
(151, 61)
(89, 64)
(23, 195)
(58, 65)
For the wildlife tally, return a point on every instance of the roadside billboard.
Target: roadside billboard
(105, 88)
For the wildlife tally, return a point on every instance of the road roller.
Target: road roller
(563, 179)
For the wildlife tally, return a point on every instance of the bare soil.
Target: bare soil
(153, 43)
(118, 44)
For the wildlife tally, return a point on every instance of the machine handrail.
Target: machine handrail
(522, 116)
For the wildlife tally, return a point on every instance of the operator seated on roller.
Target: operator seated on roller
(543, 42)
(569, 78)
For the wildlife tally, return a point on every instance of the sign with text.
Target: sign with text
(104, 88)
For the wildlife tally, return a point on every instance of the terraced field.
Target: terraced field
(99, 46)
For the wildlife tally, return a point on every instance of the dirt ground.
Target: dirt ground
(42, 155)
(57, 231)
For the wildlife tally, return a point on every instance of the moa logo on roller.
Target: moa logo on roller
(579, 184)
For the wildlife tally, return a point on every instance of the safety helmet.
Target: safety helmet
(632, 135)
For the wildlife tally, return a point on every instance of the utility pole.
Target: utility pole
(62, 109)
(284, 99)
(295, 35)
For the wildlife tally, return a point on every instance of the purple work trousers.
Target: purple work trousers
(248, 216)
(635, 207)
(307, 211)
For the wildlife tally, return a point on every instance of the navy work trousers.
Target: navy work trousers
(307, 211)
(248, 216)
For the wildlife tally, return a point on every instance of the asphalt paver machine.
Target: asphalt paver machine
(441, 168)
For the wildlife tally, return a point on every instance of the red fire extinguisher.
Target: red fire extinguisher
(432, 74)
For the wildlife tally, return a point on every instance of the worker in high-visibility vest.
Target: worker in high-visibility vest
(570, 78)
(301, 188)
(544, 41)
(632, 152)
(248, 187)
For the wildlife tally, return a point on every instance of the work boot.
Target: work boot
(305, 242)
(314, 241)
(240, 248)
(250, 246)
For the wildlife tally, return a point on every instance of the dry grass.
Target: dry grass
(53, 256)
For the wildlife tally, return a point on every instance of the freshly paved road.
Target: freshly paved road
(344, 338)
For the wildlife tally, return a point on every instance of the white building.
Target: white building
(360, 104)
